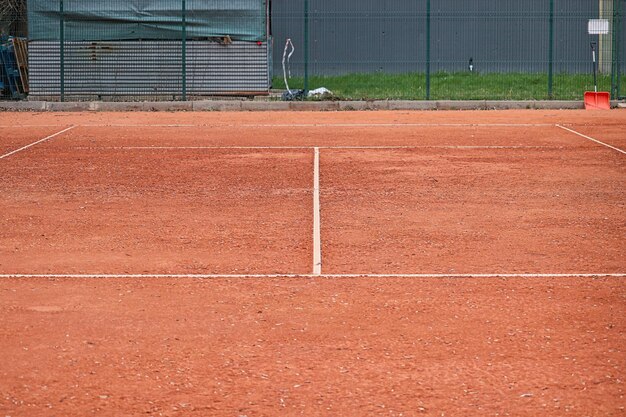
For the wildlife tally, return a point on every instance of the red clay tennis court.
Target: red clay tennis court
(357, 263)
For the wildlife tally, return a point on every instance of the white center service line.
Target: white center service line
(317, 240)
(592, 139)
(35, 143)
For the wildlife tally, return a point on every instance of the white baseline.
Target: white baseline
(262, 276)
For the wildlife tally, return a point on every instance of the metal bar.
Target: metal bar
(595, 68)
(306, 47)
(427, 49)
(613, 52)
(617, 10)
(184, 49)
(62, 48)
(551, 53)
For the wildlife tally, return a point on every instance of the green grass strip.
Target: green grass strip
(453, 86)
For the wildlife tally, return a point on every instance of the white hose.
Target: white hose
(287, 59)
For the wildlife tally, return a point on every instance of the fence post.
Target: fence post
(427, 49)
(615, 75)
(184, 49)
(613, 50)
(306, 47)
(618, 57)
(62, 49)
(551, 53)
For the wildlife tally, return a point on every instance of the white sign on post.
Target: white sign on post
(598, 26)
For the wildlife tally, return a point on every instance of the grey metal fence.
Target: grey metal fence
(175, 49)
(447, 49)
(365, 49)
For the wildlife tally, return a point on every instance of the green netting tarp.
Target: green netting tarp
(113, 20)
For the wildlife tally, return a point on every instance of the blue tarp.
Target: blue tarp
(115, 20)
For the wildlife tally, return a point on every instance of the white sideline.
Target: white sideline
(242, 276)
(317, 240)
(35, 143)
(592, 139)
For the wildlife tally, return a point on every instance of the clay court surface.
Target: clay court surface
(336, 264)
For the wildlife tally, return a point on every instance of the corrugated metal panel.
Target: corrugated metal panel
(214, 68)
(148, 68)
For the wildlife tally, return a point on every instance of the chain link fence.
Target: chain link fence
(451, 49)
(359, 49)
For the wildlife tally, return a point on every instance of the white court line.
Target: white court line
(35, 143)
(30, 126)
(592, 139)
(142, 125)
(261, 276)
(317, 241)
(324, 147)
(446, 147)
(396, 125)
(441, 147)
(256, 125)
(144, 148)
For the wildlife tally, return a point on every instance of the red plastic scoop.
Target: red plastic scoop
(597, 101)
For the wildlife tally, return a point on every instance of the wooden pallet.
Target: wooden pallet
(21, 57)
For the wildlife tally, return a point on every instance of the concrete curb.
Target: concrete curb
(34, 106)
(246, 105)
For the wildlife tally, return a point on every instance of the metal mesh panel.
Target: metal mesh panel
(13, 18)
(99, 69)
(350, 37)
(172, 49)
(450, 49)
(360, 49)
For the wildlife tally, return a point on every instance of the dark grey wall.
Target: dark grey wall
(390, 35)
